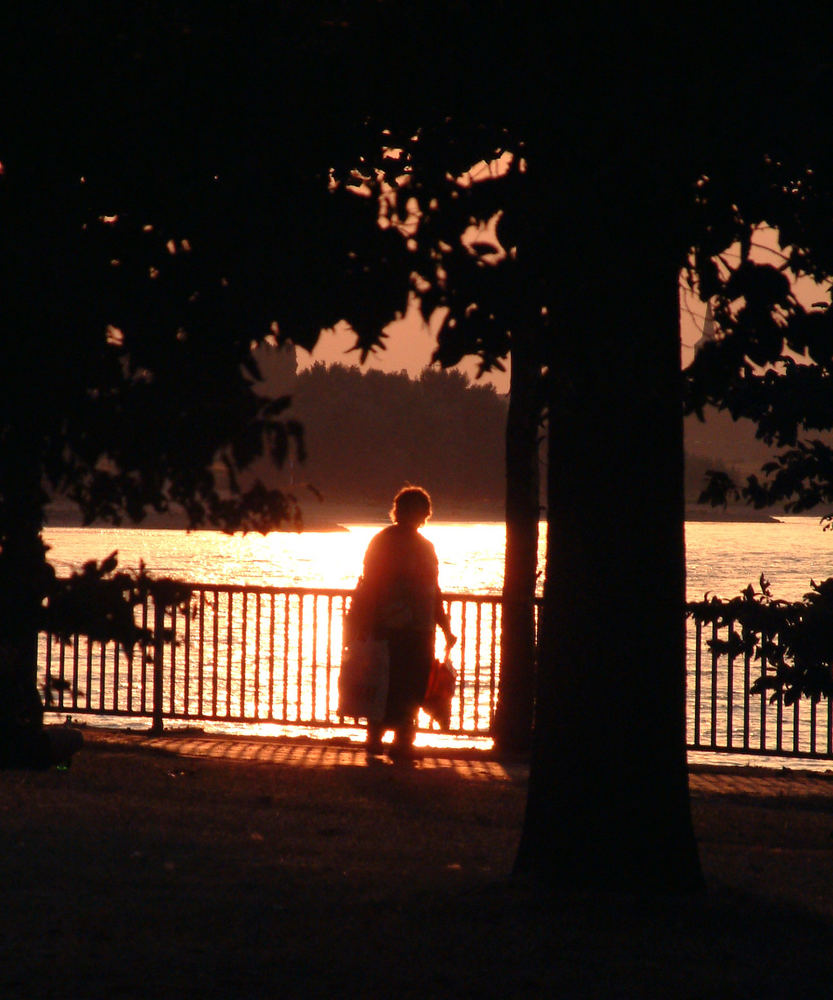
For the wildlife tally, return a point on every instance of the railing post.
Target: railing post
(156, 727)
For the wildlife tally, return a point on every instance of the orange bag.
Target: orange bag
(442, 681)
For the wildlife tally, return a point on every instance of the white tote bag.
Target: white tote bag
(363, 680)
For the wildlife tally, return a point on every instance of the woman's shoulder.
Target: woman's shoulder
(397, 536)
(382, 540)
(423, 549)
(385, 536)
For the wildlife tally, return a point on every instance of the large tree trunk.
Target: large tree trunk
(22, 569)
(24, 582)
(608, 800)
(512, 728)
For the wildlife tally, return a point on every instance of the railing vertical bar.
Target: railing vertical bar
(747, 704)
(779, 725)
(51, 645)
(223, 671)
(47, 669)
(714, 689)
(50, 642)
(47, 664)
(186, 658)
(216, 643)
(173, 660)
(201, 653)
(462, 679)
(102, 669)
(230, 656)
(215, 646)
(62, 657)
(257, 657)
(117, 651)
(763, 702)
(215, 667)
(88, 669)
(244, 628)
(144, 654)
(158, 666)
(812, 727)
(314, 668)
(328, 674)
(730, 703)
(698, 681)
(285, 704)
(829, 729)
(478, 637)
(493, 661)
(68, 667)
(300, 666)
(271, 713)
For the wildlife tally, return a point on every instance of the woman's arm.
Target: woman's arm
(442, 619)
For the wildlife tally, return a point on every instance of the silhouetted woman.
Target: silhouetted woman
(400, 602)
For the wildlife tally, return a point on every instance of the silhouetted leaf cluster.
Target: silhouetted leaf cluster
(102, 602)
(792, 640)
(772, 360)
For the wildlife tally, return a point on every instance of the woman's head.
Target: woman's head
(411, 506)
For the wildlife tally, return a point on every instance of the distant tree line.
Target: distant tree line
(697, 469)
(368, 432)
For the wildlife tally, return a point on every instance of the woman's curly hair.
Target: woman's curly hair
(411, 505)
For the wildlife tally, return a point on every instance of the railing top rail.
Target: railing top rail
(256, 588)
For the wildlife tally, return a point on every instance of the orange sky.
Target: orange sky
(410, 343)
(409, 346)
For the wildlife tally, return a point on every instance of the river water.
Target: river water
(722, 557)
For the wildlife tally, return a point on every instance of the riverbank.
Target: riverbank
(334, 517)
(317, 515)
(298, 871)
(735, 513)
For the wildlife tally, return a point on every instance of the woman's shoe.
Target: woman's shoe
(401, 751)
(373, 744)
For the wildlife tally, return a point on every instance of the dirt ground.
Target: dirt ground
(143, 873)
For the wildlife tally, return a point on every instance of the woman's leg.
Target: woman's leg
(375, 731)
(413, 651)
(404, 736)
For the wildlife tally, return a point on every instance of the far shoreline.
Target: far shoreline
(729, 515)
(322, 518)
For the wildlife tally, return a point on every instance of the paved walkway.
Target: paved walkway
(301, 753)
(705, 780)
(772, 783)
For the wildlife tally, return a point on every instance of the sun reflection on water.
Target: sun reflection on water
(470, 555)
(243, 643)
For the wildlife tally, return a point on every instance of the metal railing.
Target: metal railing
(723, 716)
(253, 656)
(248, 656)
